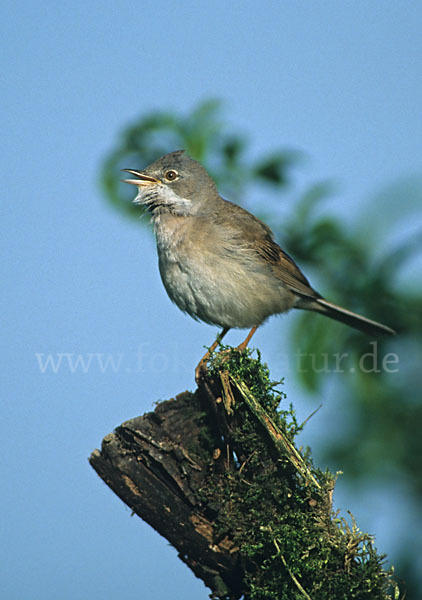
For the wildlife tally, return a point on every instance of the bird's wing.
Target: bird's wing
(284, 267)
(258, 237)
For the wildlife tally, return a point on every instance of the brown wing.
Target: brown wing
(284, 268)
(259, 237)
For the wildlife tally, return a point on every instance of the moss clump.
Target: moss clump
(276, 505)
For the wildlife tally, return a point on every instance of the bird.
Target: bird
(218, 262)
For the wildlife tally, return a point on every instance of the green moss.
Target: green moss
(276, 505)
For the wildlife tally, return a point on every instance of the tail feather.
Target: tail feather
(348, 317)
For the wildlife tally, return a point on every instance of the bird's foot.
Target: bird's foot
(242, 347)
(223, 356)
(201, 367)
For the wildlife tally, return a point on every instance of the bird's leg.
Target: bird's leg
(202, 363)
(241, 347)
(218, 340)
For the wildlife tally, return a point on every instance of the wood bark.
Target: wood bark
(217, 473)
(158, 463)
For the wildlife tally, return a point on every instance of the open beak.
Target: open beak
(143, 180)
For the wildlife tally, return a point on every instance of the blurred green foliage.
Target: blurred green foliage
(382, 439)
(204, 136)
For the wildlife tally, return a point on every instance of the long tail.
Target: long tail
(348, 317)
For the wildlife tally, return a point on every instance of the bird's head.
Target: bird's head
(175, 183)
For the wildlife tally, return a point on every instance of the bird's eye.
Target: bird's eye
(171, 175)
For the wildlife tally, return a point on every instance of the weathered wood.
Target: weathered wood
(157, 464)
(217, 473)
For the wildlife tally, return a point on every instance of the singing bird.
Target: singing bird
(218, 262)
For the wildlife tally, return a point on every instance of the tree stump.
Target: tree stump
(216, 472)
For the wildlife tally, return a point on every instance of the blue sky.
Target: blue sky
(340, 81)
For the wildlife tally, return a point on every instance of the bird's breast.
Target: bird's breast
(213, 278)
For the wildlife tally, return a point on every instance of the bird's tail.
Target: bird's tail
(346, 316)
